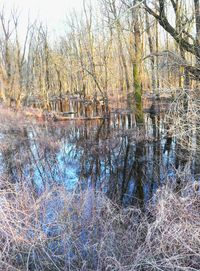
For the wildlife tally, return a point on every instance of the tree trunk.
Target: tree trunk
(197, 19)
(136, 74)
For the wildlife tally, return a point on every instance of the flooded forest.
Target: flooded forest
(100, 138)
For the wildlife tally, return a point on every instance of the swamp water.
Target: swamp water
(57, 179)
(125, 161)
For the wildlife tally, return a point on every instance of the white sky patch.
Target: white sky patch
(50, 12)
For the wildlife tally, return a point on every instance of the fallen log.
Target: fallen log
(60, 118)
(68, 113)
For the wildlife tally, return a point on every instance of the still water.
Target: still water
(125, 161)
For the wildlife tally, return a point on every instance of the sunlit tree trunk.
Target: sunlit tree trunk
(137, 72)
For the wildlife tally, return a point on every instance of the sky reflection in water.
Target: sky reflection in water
(114, 156)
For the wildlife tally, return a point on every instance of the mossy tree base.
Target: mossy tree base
(138, 95)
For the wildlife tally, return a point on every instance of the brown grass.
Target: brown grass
(84, 230)
(58, 230)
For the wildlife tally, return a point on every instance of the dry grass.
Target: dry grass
(58, 230)
(84, 230)
(184, 124)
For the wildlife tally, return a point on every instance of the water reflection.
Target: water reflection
(115, 156)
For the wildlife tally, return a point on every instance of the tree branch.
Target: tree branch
(163, 21)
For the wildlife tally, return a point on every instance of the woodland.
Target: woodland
(118, 52)
(100, 138)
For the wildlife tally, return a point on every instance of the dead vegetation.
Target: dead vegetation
(55, 229)
(58, 230)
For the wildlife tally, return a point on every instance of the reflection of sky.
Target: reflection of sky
(65, 169)
(98, 163)
(69, 165)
